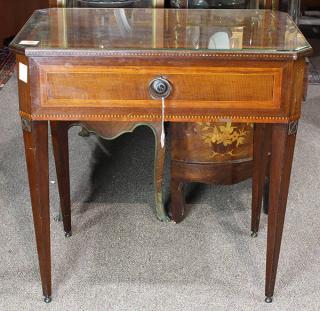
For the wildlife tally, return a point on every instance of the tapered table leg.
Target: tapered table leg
(158, 171)
(282, 148)
(35, 136)
(59, 133)
(261, 150)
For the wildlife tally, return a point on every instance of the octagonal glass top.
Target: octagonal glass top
(101, 30)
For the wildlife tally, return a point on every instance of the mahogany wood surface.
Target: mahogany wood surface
(211, 173)
(211, 142)
(102, 87)
(208, 152)
(36, 151)
(281, 116)
(282, 148)
(277, 109)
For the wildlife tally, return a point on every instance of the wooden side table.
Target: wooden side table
(139, 79)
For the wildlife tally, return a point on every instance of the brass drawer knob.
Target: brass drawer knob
(159, 88)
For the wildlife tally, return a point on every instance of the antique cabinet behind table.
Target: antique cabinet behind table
(123, 76)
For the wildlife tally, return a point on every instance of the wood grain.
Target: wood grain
(282, 149)
(117, 90)
(36, 151)
(128, 87)
(24, 88)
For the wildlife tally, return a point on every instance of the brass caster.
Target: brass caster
(176, 221)
(57, 218)
(47, 299)
(268, 299)
(254, 234)
(68, 234)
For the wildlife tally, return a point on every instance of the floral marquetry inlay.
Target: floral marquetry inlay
(224, 139)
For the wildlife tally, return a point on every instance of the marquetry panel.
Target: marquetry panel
(193, 87)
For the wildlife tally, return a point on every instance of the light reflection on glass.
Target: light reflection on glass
(167, 29)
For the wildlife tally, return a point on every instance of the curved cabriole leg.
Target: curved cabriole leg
(112, 130)
(59, 133)
(260, 163)
(282, 149)
(158, 172)
(35, 135)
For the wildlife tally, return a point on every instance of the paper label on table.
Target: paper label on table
(23, 72)
(29, 42)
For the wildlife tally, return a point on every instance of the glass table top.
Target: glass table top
(223, 31)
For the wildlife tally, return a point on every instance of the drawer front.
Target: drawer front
(192, 87)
